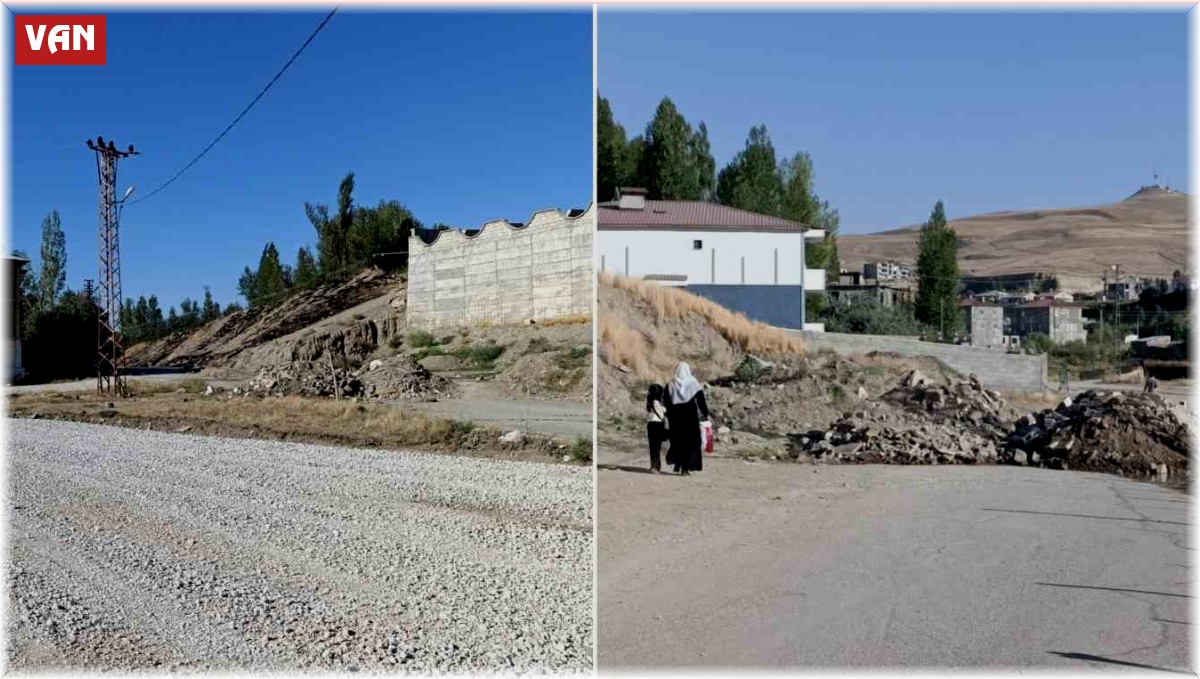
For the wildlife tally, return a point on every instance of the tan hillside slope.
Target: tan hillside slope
(1147, 234)
(646, 329)
(370, 295)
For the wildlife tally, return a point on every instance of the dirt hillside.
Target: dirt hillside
(646, 329)
(324, 341)
(222, 341)
(1146, 234)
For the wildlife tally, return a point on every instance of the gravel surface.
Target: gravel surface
(788, 565)
(144, 550)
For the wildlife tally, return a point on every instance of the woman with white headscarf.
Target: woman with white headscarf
(686, 408)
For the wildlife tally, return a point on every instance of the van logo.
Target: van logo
(59, 39)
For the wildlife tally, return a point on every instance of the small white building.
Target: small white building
(744, 261)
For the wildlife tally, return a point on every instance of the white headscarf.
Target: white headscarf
(684, 386)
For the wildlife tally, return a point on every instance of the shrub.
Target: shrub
(747, 371)
(538, 345)
(481, 356)
(581, 450)
(863, 316)
(575, 357)
(420, 338)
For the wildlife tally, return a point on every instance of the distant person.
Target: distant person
(656, 428)
(686, 408)
(1151, 381)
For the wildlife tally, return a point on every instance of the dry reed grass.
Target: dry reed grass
(628, 347)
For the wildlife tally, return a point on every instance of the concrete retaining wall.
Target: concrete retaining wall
(503, 274)
(996, 369)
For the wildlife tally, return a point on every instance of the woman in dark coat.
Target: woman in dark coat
(686, 408)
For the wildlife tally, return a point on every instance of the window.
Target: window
(697, 245)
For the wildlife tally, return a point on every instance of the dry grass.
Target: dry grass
(669, 302)
(191, 385)
(624, 346)
(289, 417)
(630, 348)
(577, 319)
(297, 416)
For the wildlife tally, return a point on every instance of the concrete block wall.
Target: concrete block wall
(996, 369)
(503, 274)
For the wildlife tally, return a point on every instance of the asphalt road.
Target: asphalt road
(775, 565)
(134, 550)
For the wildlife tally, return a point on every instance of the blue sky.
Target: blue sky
(986, 111)
(462, 117)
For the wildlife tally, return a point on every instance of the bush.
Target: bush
(538, 345)
(575, 357)
(747, 371)
(581, 450)
(481, 356)
(1039, 342)
(420, 338)
(862, 316)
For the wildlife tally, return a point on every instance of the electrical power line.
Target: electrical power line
(241, 115)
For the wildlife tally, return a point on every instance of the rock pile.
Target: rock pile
(402, 377)
(1127, 433)
(917, 422)
(396, 377)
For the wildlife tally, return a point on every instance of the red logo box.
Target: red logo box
(59, 39)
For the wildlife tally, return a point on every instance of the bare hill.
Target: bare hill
(1146, 234)
(223, 341)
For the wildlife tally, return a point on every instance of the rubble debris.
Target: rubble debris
(514, 436)
(918, 422)
(1135, 434)
(395, 377)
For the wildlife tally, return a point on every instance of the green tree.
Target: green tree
(270, 284)
(937, 275)
(384, 228)
(611, 152)
(53, 278)
(62, 340)
(211, 311)
(345, 218)
(155, 323)
(29, 295)
(675, 164)
(800, 203)
(751, 180)
(248, 286)
(307, 276)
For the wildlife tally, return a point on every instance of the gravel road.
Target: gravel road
(144, 550)
(777, 565)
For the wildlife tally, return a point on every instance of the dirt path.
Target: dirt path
(774, 565)
(487, 404)
(142, 550)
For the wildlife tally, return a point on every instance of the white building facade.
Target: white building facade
(747, 262)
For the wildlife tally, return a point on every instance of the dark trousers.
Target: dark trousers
(656, 433)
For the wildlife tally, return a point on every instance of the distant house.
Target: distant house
(13, 321)
(1125, 288)
(885, 293)
(747, 262)
(985, 324)
(1060, 321)
(886, 271)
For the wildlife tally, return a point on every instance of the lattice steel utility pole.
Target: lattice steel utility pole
(110, 364)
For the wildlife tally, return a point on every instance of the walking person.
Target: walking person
(686, 408)
(656, 428)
